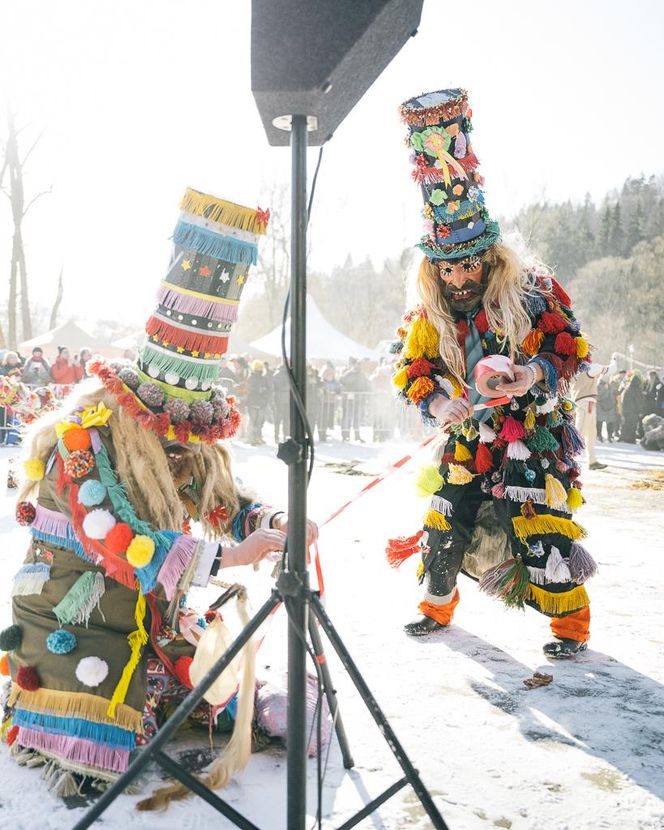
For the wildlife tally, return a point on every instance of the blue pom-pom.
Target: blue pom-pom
(91, 493)
(61, 641)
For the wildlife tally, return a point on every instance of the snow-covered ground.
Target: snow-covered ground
(584, 752)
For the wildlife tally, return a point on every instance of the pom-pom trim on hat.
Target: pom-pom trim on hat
(224, 426)
(91, 671)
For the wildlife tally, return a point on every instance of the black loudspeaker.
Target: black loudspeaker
(318, 58)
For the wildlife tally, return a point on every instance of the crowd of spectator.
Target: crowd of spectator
(354, 402)
(625, 400)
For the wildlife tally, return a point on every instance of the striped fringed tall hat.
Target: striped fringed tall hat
(172, 388)
(456, 221)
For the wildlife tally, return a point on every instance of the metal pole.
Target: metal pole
(297, 488)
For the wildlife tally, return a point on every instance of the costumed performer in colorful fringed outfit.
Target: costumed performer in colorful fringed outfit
(102, 640)
(518, 459)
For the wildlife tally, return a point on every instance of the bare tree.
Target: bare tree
(18, 275)
(274, 253)
(56, 303)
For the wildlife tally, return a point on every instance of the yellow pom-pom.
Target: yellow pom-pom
(34, 469)
(458, 475)
(428, 481)
(529, 420)
(400, 378)
(556, 496)
(582, 347)
(461, 452)
(574, 498)
(140, 551)
(422, 340)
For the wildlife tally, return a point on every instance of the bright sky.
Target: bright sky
(140, 99)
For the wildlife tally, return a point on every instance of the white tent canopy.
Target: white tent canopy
(324, 342)
(71, 335)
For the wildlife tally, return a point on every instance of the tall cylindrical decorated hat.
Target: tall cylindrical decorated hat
(456, 221)
(173, 389)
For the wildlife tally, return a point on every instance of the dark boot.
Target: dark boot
(563, 649)
(422, 627)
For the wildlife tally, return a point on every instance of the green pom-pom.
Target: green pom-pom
(428, 481)
(11, 638)
(542, 441)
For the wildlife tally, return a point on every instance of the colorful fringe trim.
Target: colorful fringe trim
(436, 520)
(202, 369)
(192, 302)
(81, 599)
(208, 243)
(508, 581)
(192, 340)
(101, 733)
(31, 579)
(546, 524)
(563, 603)
(401, 548)
(226, 213)
(178, 558)
(75, 750)
(76, 704)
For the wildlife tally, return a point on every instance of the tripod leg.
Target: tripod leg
(376, 712)
(330, 693)
(178, 717)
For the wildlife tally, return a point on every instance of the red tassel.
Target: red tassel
(512, 430)
(560, 294)
(401, 548)
(565, 344)
(483, 459)
(12, 735)
(551, 323)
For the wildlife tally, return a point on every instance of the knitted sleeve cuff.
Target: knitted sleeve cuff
(549, 383)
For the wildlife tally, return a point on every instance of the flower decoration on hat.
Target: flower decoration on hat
(445, 166)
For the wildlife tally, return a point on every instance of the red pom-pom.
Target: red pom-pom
(483, 459)
(76, 439)
(551, 323)
(560, 294)
(12, 735)
(181, 669)
(119, 538)
(27, 678)
(25, 513)
(565, 344)
(419, 367)
(481, 323)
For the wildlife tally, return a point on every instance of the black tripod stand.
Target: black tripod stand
(302, 604)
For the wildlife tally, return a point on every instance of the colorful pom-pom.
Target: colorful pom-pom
(512, 430)
(34, 469)
(574, 498)
(28, 678)
(12, 735)
(582, 347)
(11, 638)
(532, 342)
(461, 452)
(91, 493)
(565, 343)
(61, 641)
(181, 670)
(428, 480)
(420, 389)
(25, 513)
(91, 671)
(76, 439)
(422, 339)
(556, 495)
(98, 523)
(140, 551)
(4, 666)
(119, 538)
(551, 323)
(529, 420)
(201, 412)
(79, 463)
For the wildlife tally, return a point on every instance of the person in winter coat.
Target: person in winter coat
(506, 470)
(607, 412)
(257, 401)
(631, 402)
(37, 371)
(64, 370)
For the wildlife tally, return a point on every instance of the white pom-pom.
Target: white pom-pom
(92, 671)
(97, 524)
(487, 435)
(172, 378)
(191, 383)
(518, 451)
